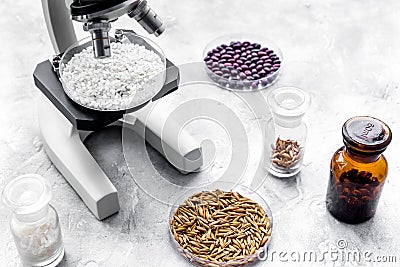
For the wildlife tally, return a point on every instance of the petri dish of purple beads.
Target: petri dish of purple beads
(243, 62)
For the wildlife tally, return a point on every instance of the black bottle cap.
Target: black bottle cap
(366, 135)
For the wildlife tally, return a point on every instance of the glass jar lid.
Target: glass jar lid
(366, 135)
(289, 101)
(27, 194)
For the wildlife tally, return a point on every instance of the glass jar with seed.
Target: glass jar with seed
(358, 170)
(285, 133)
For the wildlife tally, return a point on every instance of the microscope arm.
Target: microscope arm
(177, 146)
(66, 150)
(59, 24)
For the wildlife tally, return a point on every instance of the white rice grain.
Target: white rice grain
(130, 77)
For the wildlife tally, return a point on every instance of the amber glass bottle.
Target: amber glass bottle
(358, 170)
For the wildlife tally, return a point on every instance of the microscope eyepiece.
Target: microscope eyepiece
(147, 18)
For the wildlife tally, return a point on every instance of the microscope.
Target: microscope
(65, 125)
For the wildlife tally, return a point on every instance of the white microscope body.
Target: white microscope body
(64, 143)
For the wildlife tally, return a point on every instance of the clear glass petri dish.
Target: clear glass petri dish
(224, 186)
(251, 68)
(121, 90)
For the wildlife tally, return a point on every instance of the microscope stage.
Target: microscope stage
(83, 118)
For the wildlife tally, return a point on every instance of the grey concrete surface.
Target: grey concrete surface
(344, 53)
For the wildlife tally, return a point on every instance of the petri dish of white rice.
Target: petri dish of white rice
(130, 77)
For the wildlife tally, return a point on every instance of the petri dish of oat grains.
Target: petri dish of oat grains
(221, 224)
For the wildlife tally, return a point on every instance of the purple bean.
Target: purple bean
(228, 64)
(259, 67)
(265, 57)
(245, 44)
(236, 56)
(215, 50)
(260, 62)
(262, 73)
(261, 54)
(264, 82)
(269, 51)
(252, 65)
(264, 49)
(239, 69)
(245, 67)
(209, 62)
(267, 70)
(237, 51)
(247, 62)
(239, 61)
(231, 60)
(226, 75)
(232, 84)
(223, 51)
(225, 70)
(277, 62)
(218, 72)
(234, 72)
(230, 53)
(235, 65)
(250, 47)
(255, 59)
(254, 84)
(210, 53)
(215, 69)
(214, 58)
(228, 48)
(267, 65)
(226, 56)
(222, 60)
(247, 72)
(257, 45)
(217, 55)
(254, 54)
(242, 76)
(222, 82)
(256, 76)
(276, 65)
